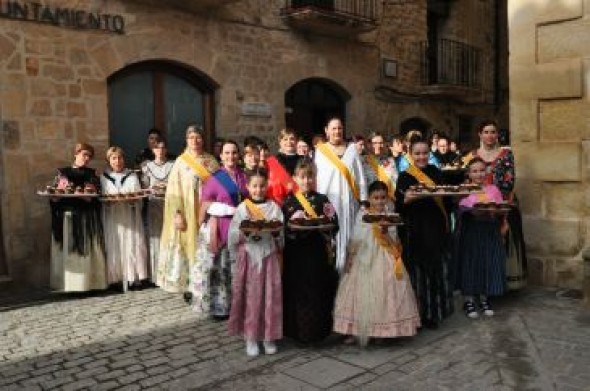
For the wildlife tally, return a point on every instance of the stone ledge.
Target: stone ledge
(569, 156)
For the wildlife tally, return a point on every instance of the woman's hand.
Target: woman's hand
(179, 222)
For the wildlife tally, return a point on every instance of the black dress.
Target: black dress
(426, 250)
(288, 161)
(81, 266)
(310, 279)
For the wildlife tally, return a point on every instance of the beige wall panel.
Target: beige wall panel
(564, 120)
(539, 161)
(563, 200)
(552, 237)
(563, 40)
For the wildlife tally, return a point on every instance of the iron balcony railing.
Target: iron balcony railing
(450, 63)
(354, 9)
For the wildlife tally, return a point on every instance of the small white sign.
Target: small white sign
(257, 109)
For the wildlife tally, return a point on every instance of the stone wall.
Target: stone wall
(550, 120)
(53, 87)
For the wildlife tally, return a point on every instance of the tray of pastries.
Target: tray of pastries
(454, 166)
(256, 226)
(384, 219)
(309, 223)
(69, 191)
(158, 191)
(128, 196)
(464, 189)
(492, 207)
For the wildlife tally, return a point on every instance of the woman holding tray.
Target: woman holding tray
(77, 255)
(123, 226)
(340, 177)
(181, 210)
(425, 236)
(155, 175)
(211, 275)
(310, 279)
(500, 172)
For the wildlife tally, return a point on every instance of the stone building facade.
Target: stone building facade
(75, 71)
(550, 121)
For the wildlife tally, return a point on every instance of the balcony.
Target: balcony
(339, 18)
(450, 69)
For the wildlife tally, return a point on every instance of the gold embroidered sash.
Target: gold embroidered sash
(197, 167)
(422, 177)
(329, 153)
(394, 249)
(381, 174)
(255, 212)
(305, 204)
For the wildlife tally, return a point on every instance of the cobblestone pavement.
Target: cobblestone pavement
(151, 341)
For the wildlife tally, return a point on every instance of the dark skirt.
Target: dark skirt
(309, 287)
(481, 256)
(516, 259)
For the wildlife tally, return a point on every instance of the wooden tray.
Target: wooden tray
(464, 193)
(261, 230)
(123, 199)
(321, 227)
(72, 195)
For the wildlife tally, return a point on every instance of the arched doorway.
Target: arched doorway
(162, 95)
(310, 102)
(416, 123)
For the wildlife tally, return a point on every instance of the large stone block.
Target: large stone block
(559, 79)
(563, 40)
(11, 131)
(551, 11)
(551, 236)
(548, 161)
(564, 119)
(7, 48)
(564, 200)
(49, 129)
(530, 196)
(16, 173)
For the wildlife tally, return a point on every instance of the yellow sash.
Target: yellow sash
(381, 174)
(329, 153)
(254, 210)
(305, 204)
(422, 177)
(394, 249)
(197, 167)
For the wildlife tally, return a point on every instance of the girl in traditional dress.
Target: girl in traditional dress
(281, 167)
(181, 212)
(500, 171)
(256, 311)
(340, 177)
(211, 274)
(379, 165)
(425, 237)
(309, 275)
(77, 252)
(123, 226)
(155, 176)
(375, 297)
(480, 249)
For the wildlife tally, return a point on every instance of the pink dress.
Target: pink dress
(257, 304)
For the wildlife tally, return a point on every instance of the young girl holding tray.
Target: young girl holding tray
(375, 297)
(480, 251)
(256, 308)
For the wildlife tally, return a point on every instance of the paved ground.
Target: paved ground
(150, 340)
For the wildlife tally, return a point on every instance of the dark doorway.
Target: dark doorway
(415, 123)
(162, 95)
(311, 102)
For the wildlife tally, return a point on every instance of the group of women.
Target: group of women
(188, 244)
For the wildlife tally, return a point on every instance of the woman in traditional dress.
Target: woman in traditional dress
(309, 275)
(379, 165)
(340, 177)
(406, 159)
(500, 172)
(425, 237)
(181, 210)
(212, 272)
(281, 167)
(155, 176)
(257, 304)
(123, 225)
(77, 247)
(375, 297)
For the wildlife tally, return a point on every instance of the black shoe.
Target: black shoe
(470, 310)
(188, 297)
(486, 308)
